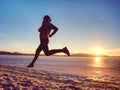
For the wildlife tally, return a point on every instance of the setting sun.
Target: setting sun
(98, 51)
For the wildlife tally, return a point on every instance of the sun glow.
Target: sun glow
(98, 51)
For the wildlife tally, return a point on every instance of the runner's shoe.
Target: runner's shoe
(30, 65)
(66, 51)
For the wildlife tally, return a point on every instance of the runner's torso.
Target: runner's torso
(45, 29)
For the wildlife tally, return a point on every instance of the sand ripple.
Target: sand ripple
(16, 78)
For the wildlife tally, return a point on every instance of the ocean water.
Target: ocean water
(96, 68)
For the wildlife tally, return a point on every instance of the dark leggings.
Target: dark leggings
(44, 46)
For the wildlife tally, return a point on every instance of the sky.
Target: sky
(84, 25)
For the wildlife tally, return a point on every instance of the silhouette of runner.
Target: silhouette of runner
(45, 34)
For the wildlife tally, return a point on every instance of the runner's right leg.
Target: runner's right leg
(39, 49)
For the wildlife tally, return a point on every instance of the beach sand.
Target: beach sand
(22, 78)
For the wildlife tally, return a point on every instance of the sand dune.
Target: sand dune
(17, 78)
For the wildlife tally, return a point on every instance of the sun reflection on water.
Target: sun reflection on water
(98, 62)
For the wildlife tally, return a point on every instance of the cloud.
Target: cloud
(15, 41)
(17, 45)
(10, 38)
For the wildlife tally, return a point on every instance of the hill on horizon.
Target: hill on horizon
(88, 55)
(75, 55)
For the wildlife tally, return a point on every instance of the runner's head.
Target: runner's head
(47, 18)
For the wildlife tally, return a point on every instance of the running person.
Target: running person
(45, 34)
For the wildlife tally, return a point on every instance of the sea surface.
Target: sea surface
(96, 68)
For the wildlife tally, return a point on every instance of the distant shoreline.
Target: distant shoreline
(73, 55)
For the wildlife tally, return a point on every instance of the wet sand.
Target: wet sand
(19, 78)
